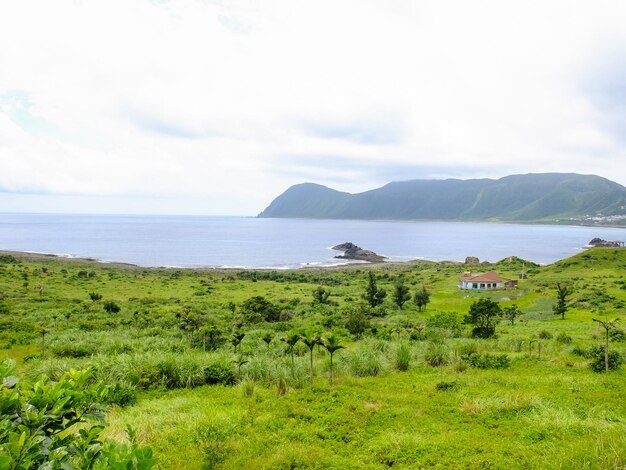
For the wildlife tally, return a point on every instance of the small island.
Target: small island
(354, 252)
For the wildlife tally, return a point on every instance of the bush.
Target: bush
(58, 425)
(122, 394)
(219, 372)
(111, 307)
(448, 321)
(596, 354)
(487, 361)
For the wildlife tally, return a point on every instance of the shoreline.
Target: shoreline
(29, 255)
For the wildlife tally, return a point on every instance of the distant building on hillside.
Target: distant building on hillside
(484, 281)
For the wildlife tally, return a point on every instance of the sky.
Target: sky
(217, 107)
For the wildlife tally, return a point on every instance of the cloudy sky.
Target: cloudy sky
(216, 107)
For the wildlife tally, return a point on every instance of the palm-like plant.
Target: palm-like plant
(331, 344)
(267, 338)
(236, 338)
(291, 339)
(310, 339)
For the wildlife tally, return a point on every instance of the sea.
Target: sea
(248, 242)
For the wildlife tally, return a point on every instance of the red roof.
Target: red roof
(490, 276)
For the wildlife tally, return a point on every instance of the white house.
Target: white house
(484, 281)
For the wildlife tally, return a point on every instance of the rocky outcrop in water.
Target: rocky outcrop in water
(354, 252)
(599, 242)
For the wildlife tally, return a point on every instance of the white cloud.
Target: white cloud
(189, 105)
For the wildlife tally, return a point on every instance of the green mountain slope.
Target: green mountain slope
(531, 197)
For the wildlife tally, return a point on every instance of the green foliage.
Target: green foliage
(400, 293)
(94, 296)
(111, 307)
(484, 314)
(403, 357)
(374, 295)
(421, 298)
(487, 361)
(321, 295)
(597, 355)
(357, 322)
(449, 322)
(445, 386)
(437, 354)
(545, 334)
(511, 313)
(58, 425)
(257, 309)
(562, 293)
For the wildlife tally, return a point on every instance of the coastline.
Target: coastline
(29, 255)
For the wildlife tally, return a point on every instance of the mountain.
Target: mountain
(531, 197)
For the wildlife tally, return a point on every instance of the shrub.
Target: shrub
(596, 354)
(219, 372)
(487, 361)
(122, 394)
(58, 425)
(448, 321)
(111, 307)
(258, 308)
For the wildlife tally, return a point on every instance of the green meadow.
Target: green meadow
(211, 370)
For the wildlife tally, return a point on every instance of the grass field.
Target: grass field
(406, 392)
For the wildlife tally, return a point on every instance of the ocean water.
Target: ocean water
(193, 241)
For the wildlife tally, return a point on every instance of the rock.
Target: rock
(472, 261)
(354, 252)
(599, 242)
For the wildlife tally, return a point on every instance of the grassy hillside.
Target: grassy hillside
(533, 197)
(199, 404)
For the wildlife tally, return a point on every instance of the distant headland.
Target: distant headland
(556, 198)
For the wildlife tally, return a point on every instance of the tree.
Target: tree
(511, 313)
(357, 322)
(189, 323)
(484, 314)
(310, 339)
(331, 344)
(291, 339)
(401, 293)
(373, 295)
(258, 308)
(562, 293)
(421, 298)
(212, 338)
(236, 338)
(321, 295)
(608, 326)
(58, 425)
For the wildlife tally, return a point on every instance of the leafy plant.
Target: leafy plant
(374, 295)
(562, 294)
(421, 298)
(58, 425)
(484, 314)
(332, 345)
